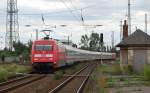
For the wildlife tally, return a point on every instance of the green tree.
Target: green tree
(85, 42)
(19, 47)
(23, 50)
(26, 54)
(29, 46)
(94, 42)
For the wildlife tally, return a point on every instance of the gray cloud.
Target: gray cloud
(99, 12)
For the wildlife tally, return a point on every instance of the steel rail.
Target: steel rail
(80, 89)
(9, 88)
(14, 80)
(56, 89)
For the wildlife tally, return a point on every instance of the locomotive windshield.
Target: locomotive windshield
(43, 47)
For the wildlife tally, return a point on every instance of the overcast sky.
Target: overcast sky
(108, 13)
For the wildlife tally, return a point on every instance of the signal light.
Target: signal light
(101, 38)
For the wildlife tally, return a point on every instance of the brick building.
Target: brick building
(135, 50)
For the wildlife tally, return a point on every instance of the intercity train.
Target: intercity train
(50, 54)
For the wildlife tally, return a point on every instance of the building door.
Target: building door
(140, 59)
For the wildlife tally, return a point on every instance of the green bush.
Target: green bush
(112, 69)
(110, 84)
(9, 70)
(128, 69)
(16, 68)
(3, 74)
(21, 70)
(116, 69)
(147, 72)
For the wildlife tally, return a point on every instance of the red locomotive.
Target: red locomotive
(49, 53)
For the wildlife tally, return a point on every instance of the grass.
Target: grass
(68, 71)
(110, 82)
(74, 68)
(147, 72)
(97, 82)
(9, 70)
(115, 69)
(128, 69)
(111, 76)
(111, 69)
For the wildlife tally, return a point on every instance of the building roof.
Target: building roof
(136, 39)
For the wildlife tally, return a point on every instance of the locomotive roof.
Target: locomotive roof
(45, 40)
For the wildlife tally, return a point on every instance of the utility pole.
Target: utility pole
(31, 37)
(120, 30)
(68, 39)
(136, 28)
(112, 39)
(82, 19)
(145, 23)
(101, 46)
(129, 17)
(1, 42)
(129, 27)
(12, 26)
(37, 34)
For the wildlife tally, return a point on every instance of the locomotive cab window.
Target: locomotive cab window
(43, 47)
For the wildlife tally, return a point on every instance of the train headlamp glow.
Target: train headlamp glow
(35, 59)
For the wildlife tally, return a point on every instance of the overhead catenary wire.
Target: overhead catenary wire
(71, 11)
(48, 13)
(73, 5)
(80, 13)
(57, 12)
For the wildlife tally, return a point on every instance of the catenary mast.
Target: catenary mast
(12, 26)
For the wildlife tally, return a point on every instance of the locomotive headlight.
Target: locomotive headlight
(49, 55)
(37, 55)
(35, 58)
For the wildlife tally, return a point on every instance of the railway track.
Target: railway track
(75, 83)
(18, 82)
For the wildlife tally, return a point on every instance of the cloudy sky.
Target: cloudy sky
(108, 13)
